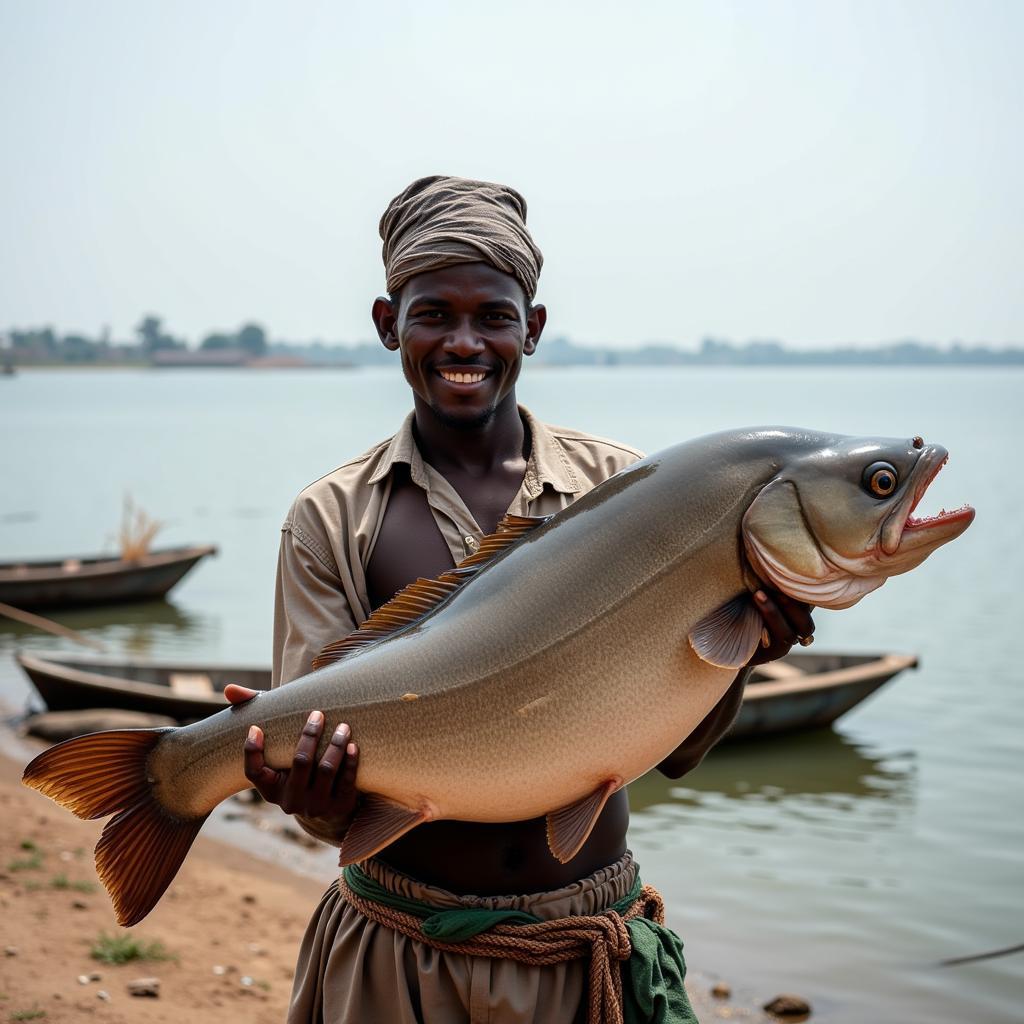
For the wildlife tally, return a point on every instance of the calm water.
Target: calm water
(841, 865)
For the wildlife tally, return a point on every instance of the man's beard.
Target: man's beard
(473, 421)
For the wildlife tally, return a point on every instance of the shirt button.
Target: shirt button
(471, 542)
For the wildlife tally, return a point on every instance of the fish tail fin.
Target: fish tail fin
(143, 845)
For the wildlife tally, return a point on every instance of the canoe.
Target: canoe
(802, 691)
(808, 691)
(96, 580)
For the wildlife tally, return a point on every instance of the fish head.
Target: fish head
(837, 520)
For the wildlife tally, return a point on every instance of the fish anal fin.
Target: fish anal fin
(568, 827)
(423, 595)
(378, 823)
(728, 637)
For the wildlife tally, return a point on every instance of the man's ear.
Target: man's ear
(536, 318)
(385, 319)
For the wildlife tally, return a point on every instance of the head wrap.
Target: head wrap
(440, 221)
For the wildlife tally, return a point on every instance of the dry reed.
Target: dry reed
(137, 531)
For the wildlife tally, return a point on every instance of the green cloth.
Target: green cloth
(653, 976)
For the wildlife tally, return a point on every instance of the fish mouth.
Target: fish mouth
(463, 374)
(903, 531)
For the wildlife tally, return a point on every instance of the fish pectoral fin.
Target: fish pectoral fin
(728, 637)
(569, 827)
(378, 823)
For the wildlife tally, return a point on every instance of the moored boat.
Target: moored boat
(801, 691)
(67, 582)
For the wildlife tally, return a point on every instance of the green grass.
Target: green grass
(32, 862)
(123, 949)
(62, 881)
(29, 845)
(28, 1015)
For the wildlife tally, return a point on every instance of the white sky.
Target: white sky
(817, 172)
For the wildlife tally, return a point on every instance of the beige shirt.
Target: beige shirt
(328, 537)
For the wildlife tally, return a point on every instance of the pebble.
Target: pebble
(95, 976)
(245, 980)
(83, 979)
(144, 987)
(248, 898)
(10, 950)
(721, 991)
(104, 995)
(788, 1005)
(79, 905)
(256, 949)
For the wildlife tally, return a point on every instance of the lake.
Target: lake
(840, 864)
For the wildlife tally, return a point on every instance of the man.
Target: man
(462, 273)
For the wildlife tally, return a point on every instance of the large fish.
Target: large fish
(566, 658)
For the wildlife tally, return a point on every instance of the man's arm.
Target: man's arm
(786, 621)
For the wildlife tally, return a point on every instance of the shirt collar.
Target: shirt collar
(548, 462)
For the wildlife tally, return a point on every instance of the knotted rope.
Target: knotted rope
(604, 938)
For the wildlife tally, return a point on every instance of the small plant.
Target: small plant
(62, 881)
(32, 862)
(137, 531)
(122, 949)
(35, 1014)
(29, 845)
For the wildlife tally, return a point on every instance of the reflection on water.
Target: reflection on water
(820, 763)
(143, 630)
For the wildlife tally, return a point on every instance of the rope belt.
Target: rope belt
(607, 939)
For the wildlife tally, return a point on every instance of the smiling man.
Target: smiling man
(462, 273)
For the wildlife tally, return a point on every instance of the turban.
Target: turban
(441, 221)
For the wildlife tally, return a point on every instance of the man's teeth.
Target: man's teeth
(462, 378)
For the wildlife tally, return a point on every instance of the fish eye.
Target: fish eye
(881, 479)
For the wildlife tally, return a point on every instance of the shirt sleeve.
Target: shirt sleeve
(310, 611)
(310, 608)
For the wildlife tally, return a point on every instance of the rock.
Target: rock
(79, 905)
(83, 979)
(144, 987)
(248, 898)
(63, 725)
(721, 991)
(790, 1006)
(10, 950)
(104, 995)
(95, 976)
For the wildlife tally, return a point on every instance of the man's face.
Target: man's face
(462, 332)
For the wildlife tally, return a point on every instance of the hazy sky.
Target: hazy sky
(816, 172)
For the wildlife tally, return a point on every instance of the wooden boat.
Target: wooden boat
(802, 691)
(96, 580)
(807, 691)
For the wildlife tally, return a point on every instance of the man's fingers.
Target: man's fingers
(327, 769)
(777, 624)
(303, 761)
(265, 779)
(235, 694)
(347, 776)
(796, 612)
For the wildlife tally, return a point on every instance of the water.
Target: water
(841, 864)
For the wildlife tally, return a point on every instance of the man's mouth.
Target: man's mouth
(468, 375)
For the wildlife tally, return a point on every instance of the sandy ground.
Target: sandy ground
(230, 923)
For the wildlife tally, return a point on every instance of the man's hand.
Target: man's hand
(787, 622)
(310, 789)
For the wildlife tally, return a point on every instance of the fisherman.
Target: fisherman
(462, 272)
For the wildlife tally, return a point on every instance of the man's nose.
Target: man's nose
(464, 340)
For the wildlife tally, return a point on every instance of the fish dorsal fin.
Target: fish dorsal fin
(423, 595)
